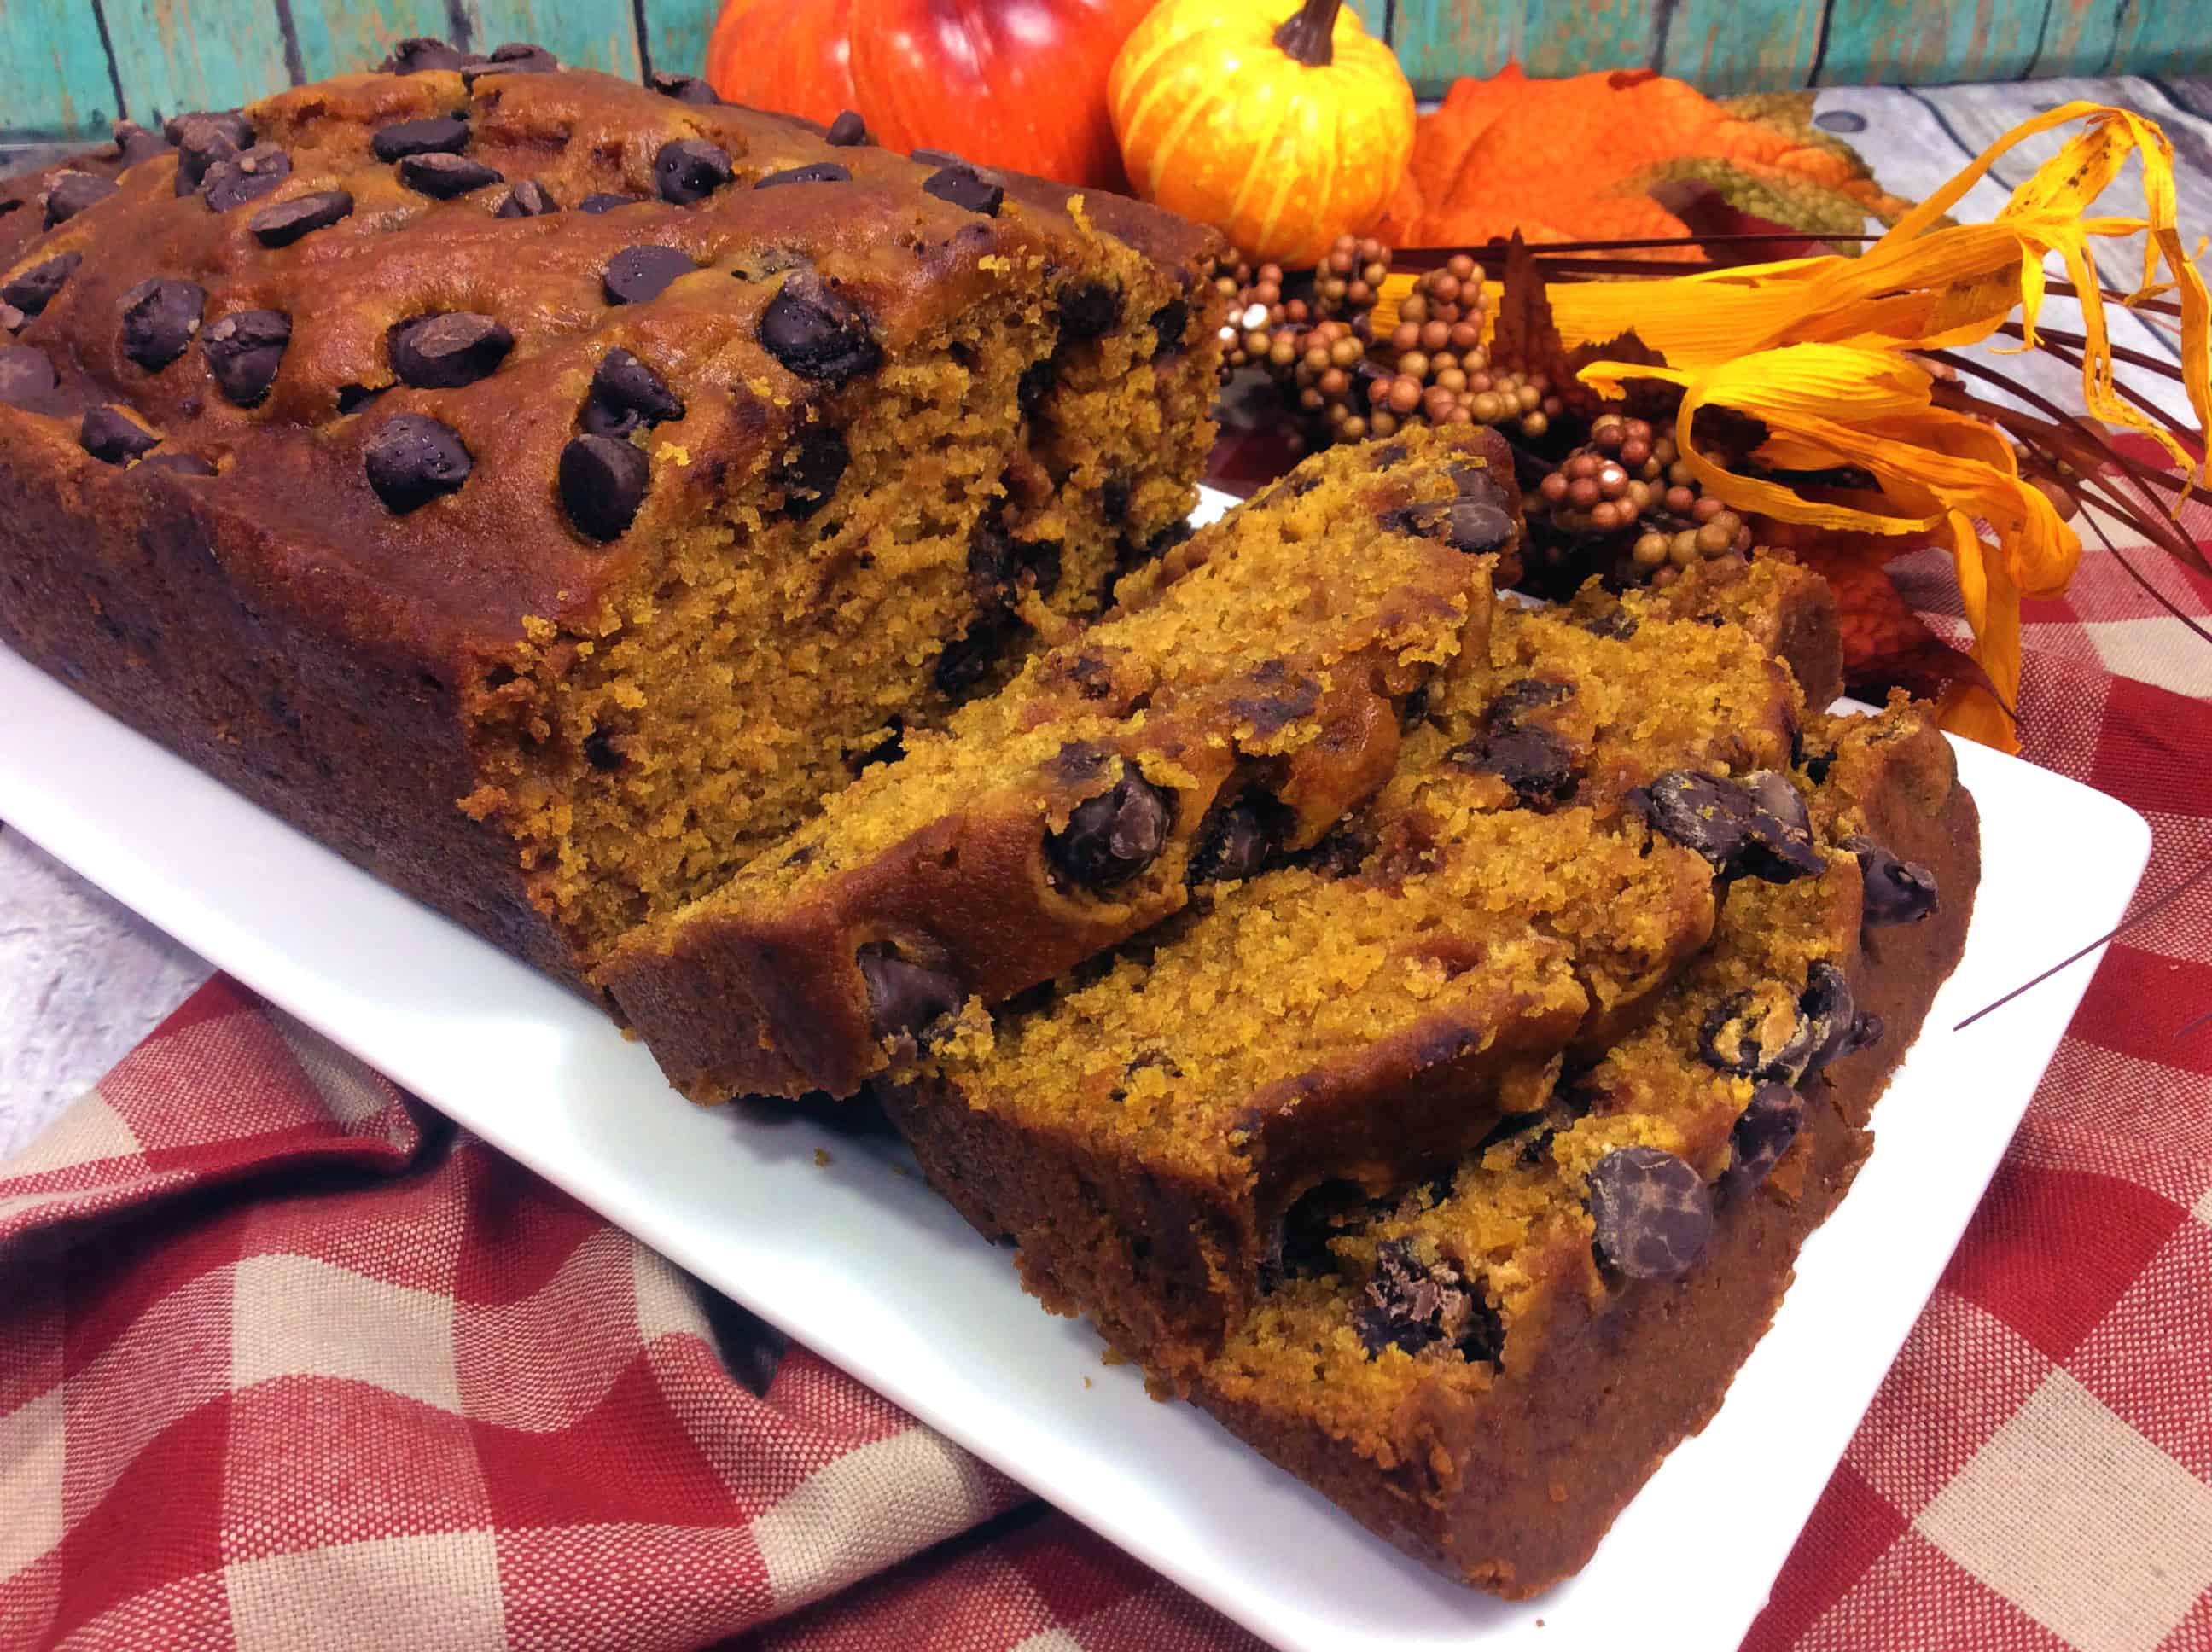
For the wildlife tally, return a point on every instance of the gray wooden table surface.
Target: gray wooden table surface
(82, 979)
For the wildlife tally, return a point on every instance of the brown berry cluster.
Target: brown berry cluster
(1629, 485)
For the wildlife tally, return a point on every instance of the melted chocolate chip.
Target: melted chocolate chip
(687, 170)
(1518, 699)
(1651, 1212)
(420, 54)
(27, 377)
(1763, 1133)
(817, 172)
(411, 460)
(1169, 324)
(182, 464)
(625, 394)
(438, 135)
(1831, 1011)
(73, 192)
(1731, 826)
(1114, 836)
(812, 476)
(449, 349)
(515, 57)
(848, 131)
(134, 144)
(159, 320)
(638, 273)
(600, 752)
(1411, 1304)
(968, 658)
(1086, 311)
(816, 333)
(32, 290)
(244, 350)
(202, 139)
(445, 177)
(1536, 763)
(1114, 497)
(1034, 385)
(247, 176)
(963, 188)
(903, 996)
(112, 438)
(527, 199)
(288, 221)
(603, 482)
(1759, 1035)
(685, 89)
(605, 201)
(1895, 891)
(1240, 841)
(1617, 624)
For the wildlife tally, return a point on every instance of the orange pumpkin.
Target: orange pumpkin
(795, 56)
(1282, 130)
(1014, 83)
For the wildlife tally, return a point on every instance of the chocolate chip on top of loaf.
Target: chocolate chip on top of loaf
(604, 458)
(1248, 691)
(1489, 1365)
(1504, 908)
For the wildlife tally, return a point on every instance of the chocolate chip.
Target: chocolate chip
(1535, 762)
(603, 482)
(1758, 1034)
(438, 135)
(903, 996)
(1034, 385)
(134, 144)
(815, 172)
(1523, 695)
(445, 177)
(848, 131)
(1728, 825)
(288, 221)
(1088, 311)
(685, 89)
(1651, 1212)
(687, 170)
(159, 320)
(1478, 527)
(626, 393)
(32, 290)
(1169, 324)
(244, 350)
(599, 752)
(201, 140)
(1831, 1011)
(1763, 1133)
(444, 350)
(527, 199)
(420, 53)
(182, 464)
(515, 57)
(411, 460)
(1114, 497)
(607, 200)
(967, 660)
(247, 176)
(1114, 836)
(74, 191)
(810, 478)
(939, 158)
(816, 333)
(638, 273)
(112, 438)
(1817, 767)
(27, 377)
(1617, 624)
(965, 189)
(1411, 1304)
(1243, 838)
(1895, 892)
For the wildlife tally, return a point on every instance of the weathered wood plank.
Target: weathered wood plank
(1918, 42)
(172, 55)
(1726, 46)
(344, 37)
(2076, 38)
(676, 33)
(1590, 34)
(53, 70)
(1438, 41)
(583, 34)
(2162, 37)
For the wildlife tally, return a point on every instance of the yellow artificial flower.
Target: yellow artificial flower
(1818, 351)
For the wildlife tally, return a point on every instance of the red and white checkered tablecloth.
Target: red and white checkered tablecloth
(287, 1362)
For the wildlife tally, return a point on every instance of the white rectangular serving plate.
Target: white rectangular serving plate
(868, 1268)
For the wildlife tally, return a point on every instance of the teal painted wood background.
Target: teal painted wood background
(69, 68)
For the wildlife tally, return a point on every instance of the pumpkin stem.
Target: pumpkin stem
(1309, 34)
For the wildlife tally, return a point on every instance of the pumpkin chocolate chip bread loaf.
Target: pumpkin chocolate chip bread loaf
(543, 488)
(1231, 712)
(1507, 907)
(1487, 1367)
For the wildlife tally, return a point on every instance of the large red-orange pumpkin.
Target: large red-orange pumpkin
(1017, 83)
